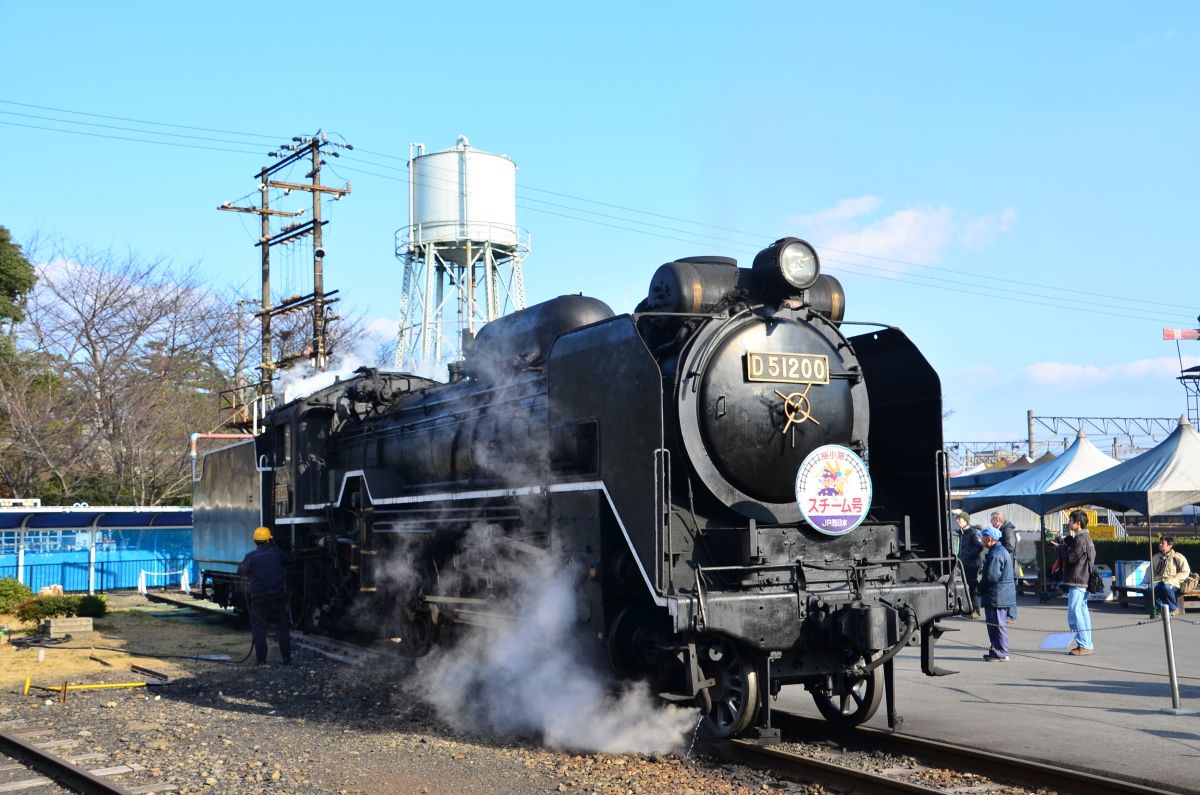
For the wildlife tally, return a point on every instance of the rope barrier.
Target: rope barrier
(1058, 658)
(184, 584)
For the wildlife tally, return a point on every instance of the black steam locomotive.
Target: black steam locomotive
(682, 461)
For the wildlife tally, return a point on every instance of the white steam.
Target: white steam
(298, 382)
(531, 678)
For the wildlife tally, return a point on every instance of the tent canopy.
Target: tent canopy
(1159, 480)
(1000, 471)
(1028, 489)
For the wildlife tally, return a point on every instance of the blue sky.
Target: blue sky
(1013, 184)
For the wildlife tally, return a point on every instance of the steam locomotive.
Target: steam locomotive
(745, 497)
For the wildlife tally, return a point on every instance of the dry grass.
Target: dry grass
(135, 632)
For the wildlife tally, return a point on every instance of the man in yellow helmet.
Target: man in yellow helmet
(265, 566)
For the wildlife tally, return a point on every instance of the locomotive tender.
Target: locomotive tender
(653, 454)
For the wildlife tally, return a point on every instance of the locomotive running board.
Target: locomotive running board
(929, 637)
(507, 493)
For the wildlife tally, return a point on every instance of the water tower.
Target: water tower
(462, 253)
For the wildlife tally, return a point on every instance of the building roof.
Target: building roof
(84, 517)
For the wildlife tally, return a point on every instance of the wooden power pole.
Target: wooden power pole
(301, 148)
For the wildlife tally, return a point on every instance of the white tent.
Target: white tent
(1028, 489)
(1159, 480)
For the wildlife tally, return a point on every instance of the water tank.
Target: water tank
(463, 195)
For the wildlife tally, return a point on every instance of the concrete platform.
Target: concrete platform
(1103, 713)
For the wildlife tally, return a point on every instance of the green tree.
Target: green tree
(16, 279)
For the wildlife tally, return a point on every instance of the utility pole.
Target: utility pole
(301, 148)
(239, 376)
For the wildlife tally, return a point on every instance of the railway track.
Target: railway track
(333, 648)
(29, 764)
(931, 767)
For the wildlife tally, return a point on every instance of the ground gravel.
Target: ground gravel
(322, 726)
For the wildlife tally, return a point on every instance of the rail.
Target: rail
(57, 769)
(1036, 776)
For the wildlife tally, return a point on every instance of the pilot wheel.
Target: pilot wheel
(852, 700)
(731, 703)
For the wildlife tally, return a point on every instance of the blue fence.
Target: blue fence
(121, 557)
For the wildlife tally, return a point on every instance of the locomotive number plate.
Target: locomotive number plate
(788, 368)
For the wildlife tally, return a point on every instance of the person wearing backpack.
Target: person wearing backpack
(1077, 556)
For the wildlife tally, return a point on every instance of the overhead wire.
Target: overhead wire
(692, 236)
(125, 138)
(865, 269)
(139, 121)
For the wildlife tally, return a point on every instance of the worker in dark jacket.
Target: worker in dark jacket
(265, 567)
(970, 552)
(1077, 556)
(997, 592)
(1008, 538)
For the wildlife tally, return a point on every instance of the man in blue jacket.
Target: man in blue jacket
(997, 593)
(266, 566)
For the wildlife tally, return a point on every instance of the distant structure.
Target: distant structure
(462, 253)
(1188, 376)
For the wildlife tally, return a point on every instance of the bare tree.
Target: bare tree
(134, 346)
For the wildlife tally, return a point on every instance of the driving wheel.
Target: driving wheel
(852, 699)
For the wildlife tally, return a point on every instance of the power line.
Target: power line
(692, 235)
(125, 138)
(893, 273)
(141, 121)
(118, 127)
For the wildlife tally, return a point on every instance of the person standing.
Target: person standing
(1077, 556)
(266, 567)
(1170, 570)
(970, 553)
(1009, 538)
(1008, 532)
(997, 592)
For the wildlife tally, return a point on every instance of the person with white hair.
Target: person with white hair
(1009, 538)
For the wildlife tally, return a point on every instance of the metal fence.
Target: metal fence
(104, 561)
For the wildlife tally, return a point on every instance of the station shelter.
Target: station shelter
(86, 549)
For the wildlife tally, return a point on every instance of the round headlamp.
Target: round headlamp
(786, 267)
(798, 264)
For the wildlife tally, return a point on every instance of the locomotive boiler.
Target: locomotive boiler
(746, 497)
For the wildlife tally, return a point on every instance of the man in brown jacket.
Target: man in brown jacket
(1077, 555)
(1170, 570)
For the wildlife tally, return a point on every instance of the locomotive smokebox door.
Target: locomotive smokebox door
(760, 393)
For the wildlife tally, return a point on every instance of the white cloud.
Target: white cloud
(1056, 373)
(982, 231)
(919, 235)
(841, 212)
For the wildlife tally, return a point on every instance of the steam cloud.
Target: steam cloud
(298, 382)
(531, 678)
